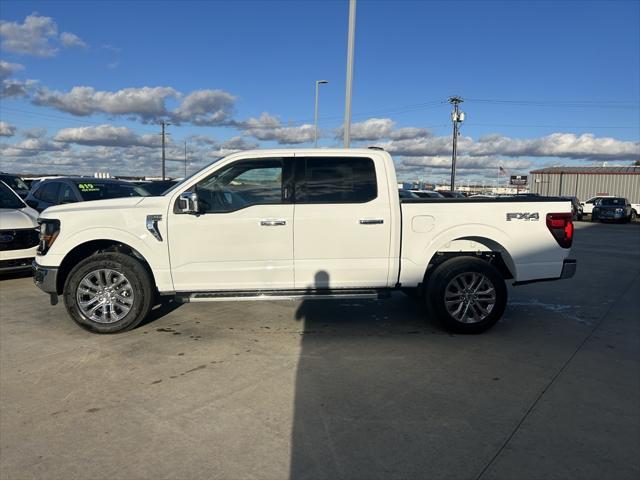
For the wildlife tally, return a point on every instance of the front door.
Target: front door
(242, 238)
(342, 222)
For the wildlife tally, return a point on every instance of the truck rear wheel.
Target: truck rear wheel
(108, 292)
(468, 295)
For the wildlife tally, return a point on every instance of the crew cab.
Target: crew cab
(298, 224)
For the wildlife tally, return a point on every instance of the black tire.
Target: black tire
(139, 279)
(633, 216)
(451, 270)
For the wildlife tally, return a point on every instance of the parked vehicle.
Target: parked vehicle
(426, 194)
(298, 224)
(15, 183)
(613, 208)
(156, 187)
(587, 206)
(576, 207)
(18, 231)
(451, 194)
(62, 190)
(406, 193)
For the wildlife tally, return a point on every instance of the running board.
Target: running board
(291, 295)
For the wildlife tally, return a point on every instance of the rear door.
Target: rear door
(342, 228)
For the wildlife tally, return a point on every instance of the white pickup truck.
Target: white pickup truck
(292, 224)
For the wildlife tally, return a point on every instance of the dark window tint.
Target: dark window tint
(16, 183)
(336, 180)
(66, 195)
(240, 185)
(104, 190)
(8, 199)
(613, 202)
(48, 192)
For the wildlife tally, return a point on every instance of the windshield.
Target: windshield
(14, 182)
(613, 202)
(192, 175)
(102, 191)
(8, 199)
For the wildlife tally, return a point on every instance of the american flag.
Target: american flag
(501, 171)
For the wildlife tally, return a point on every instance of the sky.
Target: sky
(85, 85)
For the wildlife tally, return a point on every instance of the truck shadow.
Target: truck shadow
(360, 389)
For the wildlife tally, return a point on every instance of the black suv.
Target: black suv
(56, 191)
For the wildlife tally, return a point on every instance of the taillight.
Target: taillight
(561, 227)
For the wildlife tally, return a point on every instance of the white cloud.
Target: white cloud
(370, 129)
(8, 69)
(268, 127)
(147, 103)
(205, 107)
(465, 162)
(9, 87)
(34, 132)
(70, 40)
(7, 130)
(32, 37)
(106, 135)
(30, 147)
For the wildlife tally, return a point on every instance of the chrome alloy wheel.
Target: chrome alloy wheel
(470, 297)
(104, 296)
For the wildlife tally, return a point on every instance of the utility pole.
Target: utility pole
(185, 159)
(457, 117)
(315, 113)
(163, 124)
(350, 46)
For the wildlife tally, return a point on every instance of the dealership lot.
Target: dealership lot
(345, 389)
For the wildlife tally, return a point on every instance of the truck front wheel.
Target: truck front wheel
(467, 294)
(108, 292)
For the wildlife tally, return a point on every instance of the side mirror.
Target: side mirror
(188, 202)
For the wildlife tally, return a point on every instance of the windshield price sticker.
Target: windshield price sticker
(88, 187)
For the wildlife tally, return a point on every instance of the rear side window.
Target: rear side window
(336, 180)
(48, 192)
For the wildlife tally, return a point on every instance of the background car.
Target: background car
(18, 231)
(15, 183)
(426, 193)
(587, 206)
(617, 209)
(62, 190)
(451, 194)
(576, 207)
(156, 187)
(406, 193)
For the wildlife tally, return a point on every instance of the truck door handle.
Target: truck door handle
(371, 221)
(271, 222)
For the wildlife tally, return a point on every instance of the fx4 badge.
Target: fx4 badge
(523, 216)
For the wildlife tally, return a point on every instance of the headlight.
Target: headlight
(49, 230)
(619, 210)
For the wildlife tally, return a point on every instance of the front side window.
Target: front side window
(66, 194)
(8, 199)
(242, 184)
(336, 180)
(49, 192)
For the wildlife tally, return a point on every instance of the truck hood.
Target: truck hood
(153, 203)
(13, 219)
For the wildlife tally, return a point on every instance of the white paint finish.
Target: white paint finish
(333, 249)
(235, 252)
(232, 251)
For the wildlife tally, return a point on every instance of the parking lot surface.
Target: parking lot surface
(334, 389)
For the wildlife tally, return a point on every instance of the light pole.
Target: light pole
(315, 113)
(350, 46)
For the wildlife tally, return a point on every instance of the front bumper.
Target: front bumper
(45, 278)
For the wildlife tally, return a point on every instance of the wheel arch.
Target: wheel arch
(86, 249)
